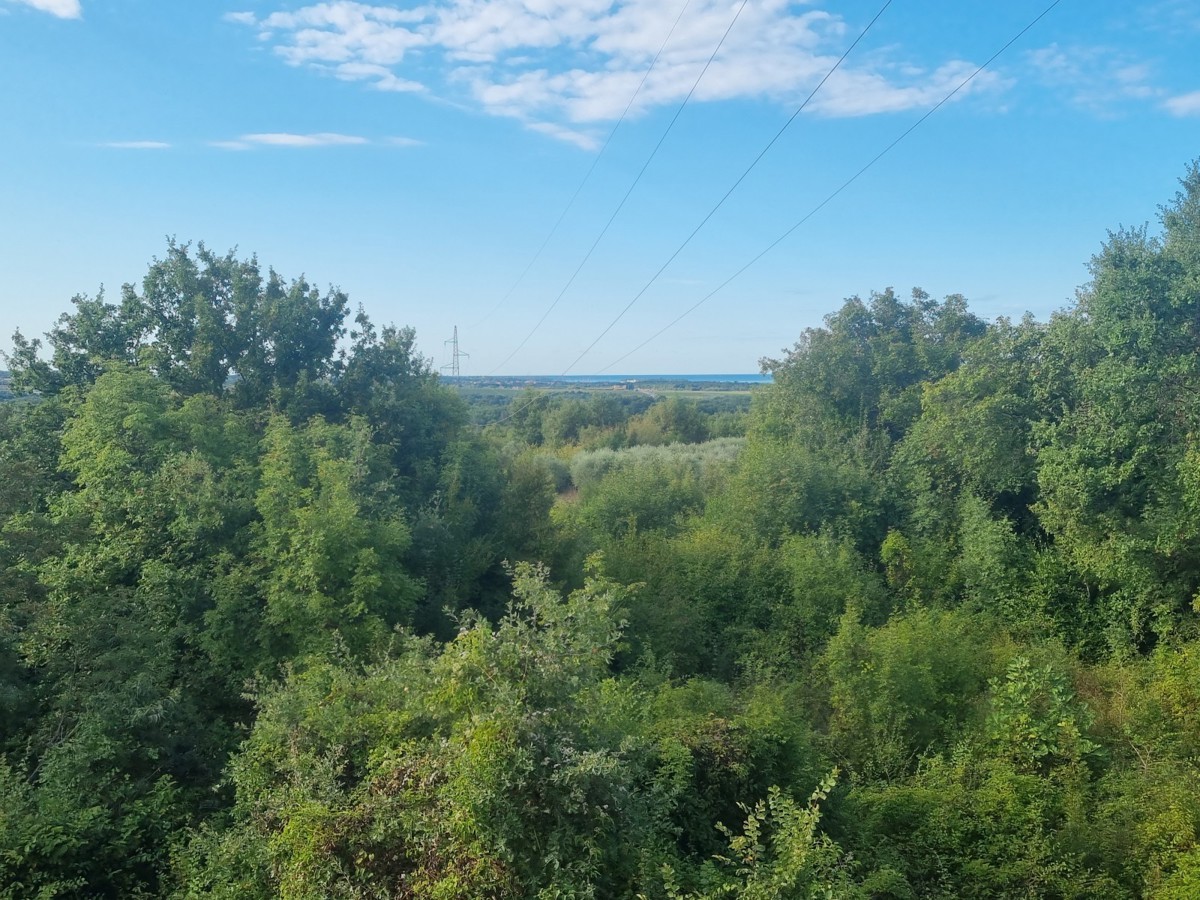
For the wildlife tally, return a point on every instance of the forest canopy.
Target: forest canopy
(280, 618)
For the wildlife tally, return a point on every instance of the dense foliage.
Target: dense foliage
(278, 618)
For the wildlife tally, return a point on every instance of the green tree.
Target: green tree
(867, 365)
(198, 322)
(907, 689)
(489, 767)
(330, 550)
(1114, 462)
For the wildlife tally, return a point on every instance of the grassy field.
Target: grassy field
(493, 395)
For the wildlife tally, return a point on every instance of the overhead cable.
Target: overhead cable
(845, 184)
(971, 77)
(620, 206)
(733, 187)
(587, 175)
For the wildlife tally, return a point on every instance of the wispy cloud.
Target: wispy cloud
(1184, 104)
(861, 93)
(1096, 78)
(282, 138)
(564, 66)
(571, 135)
(138, 145)
(380, 77)
(1180, 17)
(319, 139)
(63, 9)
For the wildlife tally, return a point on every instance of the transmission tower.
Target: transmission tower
(455, 355)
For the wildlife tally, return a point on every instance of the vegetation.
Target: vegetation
(280, 617)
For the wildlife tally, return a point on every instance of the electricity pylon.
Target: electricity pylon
(455, 355)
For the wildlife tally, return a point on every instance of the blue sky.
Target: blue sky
(418, 154)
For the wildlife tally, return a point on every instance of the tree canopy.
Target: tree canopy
(278, 619)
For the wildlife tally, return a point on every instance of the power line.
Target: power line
(845, 184)
(621, 205)
(587, 176)
(711, 212)
(732, 187)
(1020, 34)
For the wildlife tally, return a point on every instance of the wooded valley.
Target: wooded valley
(283, 615)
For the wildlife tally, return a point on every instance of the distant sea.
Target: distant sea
(608, 379)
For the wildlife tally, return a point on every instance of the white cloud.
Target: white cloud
(381, 77)
(285, 139)
(1184, 104)
(1172, 16)
(240, 18)
(1096, 78)
(851, 93)
(138, 145)
(570, 135)
(319, 139)
(560, 66)
(63, 9)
